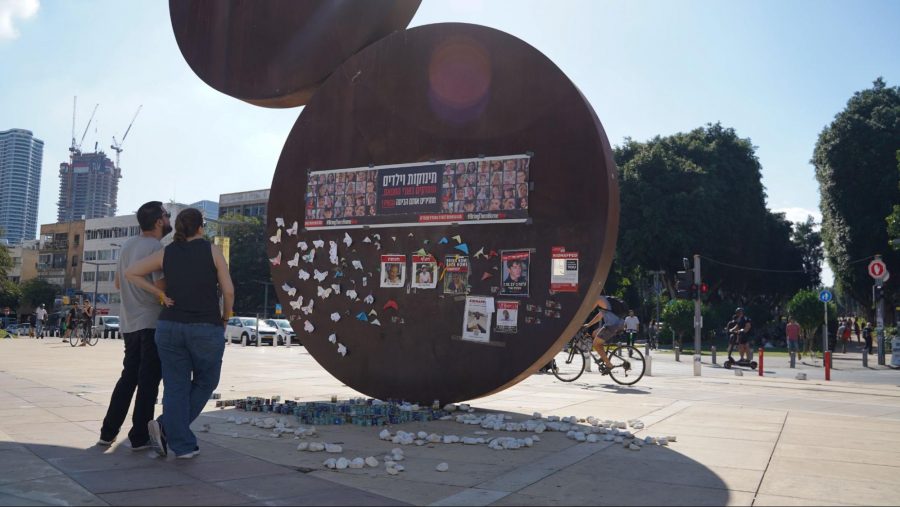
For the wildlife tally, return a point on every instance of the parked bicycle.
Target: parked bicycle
(80, 334)
(628, 364)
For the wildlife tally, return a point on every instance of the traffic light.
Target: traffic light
(877, 293)
(704, 290)
(695, 291)
(683, 282)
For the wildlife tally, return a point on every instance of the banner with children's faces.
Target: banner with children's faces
(460, 191)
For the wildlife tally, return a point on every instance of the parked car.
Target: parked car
(243, 329)
(285, 330)
(106, 323)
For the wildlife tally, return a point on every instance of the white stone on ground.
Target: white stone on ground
(442, 467)
(372, 461)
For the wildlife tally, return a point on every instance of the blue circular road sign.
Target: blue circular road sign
(825, 296)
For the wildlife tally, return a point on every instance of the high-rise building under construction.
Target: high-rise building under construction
(88, 187)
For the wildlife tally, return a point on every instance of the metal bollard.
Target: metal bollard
(678, 353)
(648, 370)
(793, 359)
(712, 349)
(760, 361)
(827, 365)
(865, 357)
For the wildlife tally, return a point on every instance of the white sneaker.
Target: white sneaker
(105, 443)
(189, 455)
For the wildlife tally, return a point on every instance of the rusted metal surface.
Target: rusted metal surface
(441, 92)
(275, 53)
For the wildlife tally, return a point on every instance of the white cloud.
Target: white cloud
(13, 10)
(799, 214)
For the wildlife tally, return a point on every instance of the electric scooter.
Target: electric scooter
(746, 363)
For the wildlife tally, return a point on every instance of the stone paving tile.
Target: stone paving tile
(239, 467)
(190, 494)
(335, 497)
(271, 487)
(18, 501)
(388, 486)
(127, 479)
(17, 465)
(55, 490)
(815, 490)
(775, 500)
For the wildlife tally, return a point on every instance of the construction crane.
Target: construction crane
(76, 148)
(117, 146)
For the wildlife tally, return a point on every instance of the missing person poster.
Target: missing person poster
(393, 270)
(477, 319)
(456, 277)
(507, 317)
(514, 265)
(563, 270)
(424, 272)
(459, 191)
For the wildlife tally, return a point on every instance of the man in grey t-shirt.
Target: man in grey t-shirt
(138, 314)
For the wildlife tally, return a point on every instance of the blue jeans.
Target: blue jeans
(191, 357)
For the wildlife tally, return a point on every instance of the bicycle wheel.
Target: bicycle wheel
(569, 365)
(74, 338)
(627, 365)
(92, 339)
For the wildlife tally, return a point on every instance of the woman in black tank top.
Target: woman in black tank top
(190, 335)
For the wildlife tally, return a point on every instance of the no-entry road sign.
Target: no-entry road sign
(877, 269)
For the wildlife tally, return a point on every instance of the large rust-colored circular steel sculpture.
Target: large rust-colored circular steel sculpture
(432, 93)
(275, 53)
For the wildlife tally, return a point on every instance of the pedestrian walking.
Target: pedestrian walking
(792, 333)
(856, 329)
(138, 315)
(40, 320)
(867, 337)
(190, 334)
(87, 321)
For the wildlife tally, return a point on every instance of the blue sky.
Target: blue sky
(776, 72)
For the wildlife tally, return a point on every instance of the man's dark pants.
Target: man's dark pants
(141, 371)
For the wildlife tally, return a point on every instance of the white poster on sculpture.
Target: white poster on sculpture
(477, 319)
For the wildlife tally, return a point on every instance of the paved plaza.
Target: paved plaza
(741, 440)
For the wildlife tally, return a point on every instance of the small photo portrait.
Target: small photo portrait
(484, 167)
(469, 206)
(327, 202)
(509, 177)
(461, 181)
(521, 176)
(370, 199)
(370, 186)
(481, 205)
(340, 178)
(461, 168)
(361, 176)
(327, 214)
(509, 165)
(460, 193)
(471, 168)
(522, 190)
(496, 192)
(330, 178)
(339, 201)
(483, 179)
(494, 205)
(523, 203)
(372, 211)
(320, 213)
(310, 190)
(459, 207)
(447, 196)
(496, 166)
(470, 192)
(509, 191)
(361, 210)
(476, 323)
(339, 187)
(348, 212)
(449, 169)
(509, 203)
(338, 212)
(393, 274)
(360, 199)
(447, 207)
(322, 190)
(448, 181)
(484, 193)
(497, 178)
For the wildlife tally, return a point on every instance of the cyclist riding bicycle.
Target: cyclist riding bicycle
(605, 324)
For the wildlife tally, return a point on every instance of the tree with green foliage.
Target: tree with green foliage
(809, 241)
(248, 264)
(678, 316)
(855, 162)
(36, 292)
(701, 192)
(808, 311)
(9, 291)
(893, 220)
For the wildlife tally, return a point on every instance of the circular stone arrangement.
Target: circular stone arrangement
(430, 94)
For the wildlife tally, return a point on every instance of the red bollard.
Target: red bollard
(760, 361)
(827, 365)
